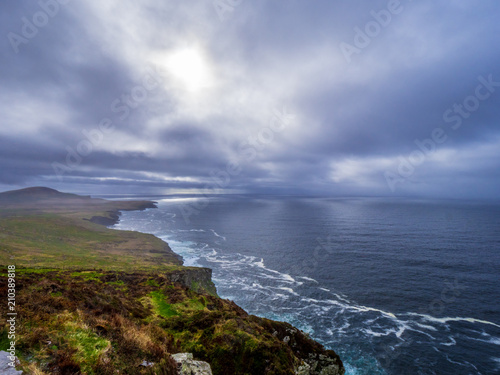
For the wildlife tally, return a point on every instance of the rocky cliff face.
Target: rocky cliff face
(198, 279)
(312, 357)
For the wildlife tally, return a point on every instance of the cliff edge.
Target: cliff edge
(93, 300)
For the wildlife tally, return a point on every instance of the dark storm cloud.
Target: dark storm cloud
(176, 125)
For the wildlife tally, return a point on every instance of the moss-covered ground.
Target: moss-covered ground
(110, 322)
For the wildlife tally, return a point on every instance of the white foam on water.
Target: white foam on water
(336, 303)
(257, 288)
(452, 361)
(284, 276)
(289, 290)
(425, 326)
(341, 298)
(366, 309)
(497, 361)
(218, 235)
(341, 329)
(305, 299)
(422, 332)
(185, 249)
(280, 296)
(219, 260)
(451, 343)
(308, 279)
(455, 319)
(352, 370)
(493, 340)
(463, 364)
(368, 331)
(400, 331)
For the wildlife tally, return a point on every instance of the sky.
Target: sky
(330, 97)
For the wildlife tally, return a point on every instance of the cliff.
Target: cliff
(198, 279)
(92, 300)
(108, 322)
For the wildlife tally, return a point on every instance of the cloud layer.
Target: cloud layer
(332, 97)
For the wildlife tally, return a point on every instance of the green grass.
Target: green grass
(195, 304)
(119, 283)
(88, 275)
(88, 346)
(51, 241)
(43, 230)
(4, 339)
(163, 308)
(152, 282)
(35, 270)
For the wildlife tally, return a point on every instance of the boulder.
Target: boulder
(5, 368)
(186, 365)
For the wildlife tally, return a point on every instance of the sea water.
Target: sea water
(393, 286)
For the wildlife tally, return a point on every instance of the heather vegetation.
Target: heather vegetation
(100, 322)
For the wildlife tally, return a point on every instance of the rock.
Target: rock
(305, 369)
(198, 279)
(5, 368)
(320, 365)
(182, 357)
(286, 339)
(188, 366)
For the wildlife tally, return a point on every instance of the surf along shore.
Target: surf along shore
(93, 300)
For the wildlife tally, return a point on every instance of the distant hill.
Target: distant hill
(45, 200)
(36, 194)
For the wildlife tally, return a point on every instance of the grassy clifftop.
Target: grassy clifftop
(41, 227)
(92, 300)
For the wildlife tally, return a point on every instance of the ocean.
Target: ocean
(393, 286)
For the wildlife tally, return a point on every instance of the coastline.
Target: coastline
(113, 216)
(127, 293)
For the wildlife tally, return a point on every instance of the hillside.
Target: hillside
(45, 228)
(92, 300)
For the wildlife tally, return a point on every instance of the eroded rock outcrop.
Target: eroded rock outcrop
(198, 279)
(188, 366)
(314, 358)
(319, 364)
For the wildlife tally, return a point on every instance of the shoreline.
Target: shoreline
(115, 219)
(113, 216)
(84, 283)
